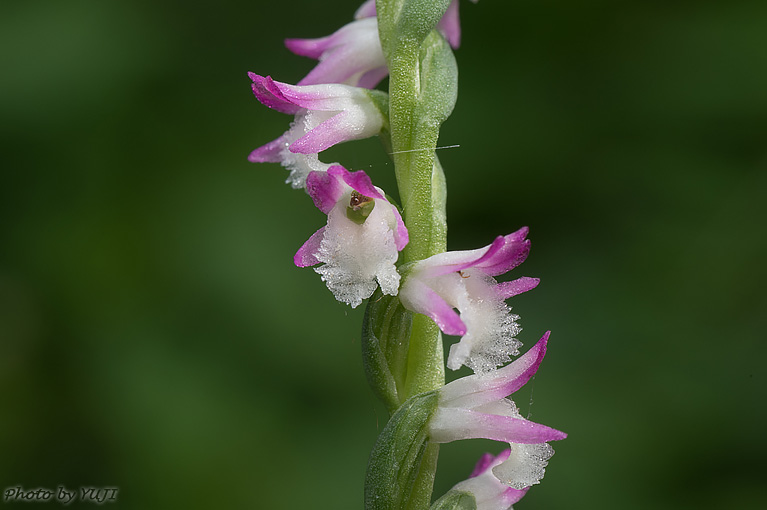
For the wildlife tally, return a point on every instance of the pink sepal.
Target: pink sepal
(486, 462)
(289, 99)
(325, 190)
(307, 254)
(269, 153)
(347, 56)
(366, 10)
(401, 235)
(505, 253)
(333, 68)
(455, 423)
(324, 136)
(322, 97)
(450, 25)
(359, 181)
(478, 389)
(312, 48)
(269, 94)
(515, 287)
(420, 298)
(372, 78)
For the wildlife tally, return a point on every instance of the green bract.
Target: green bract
(439, 82)
(385, 340)
(396, 459)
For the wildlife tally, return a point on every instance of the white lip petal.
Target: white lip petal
(525, 466)
(491, 328)
(358, 257)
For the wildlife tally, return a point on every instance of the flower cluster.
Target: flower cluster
(360, 250)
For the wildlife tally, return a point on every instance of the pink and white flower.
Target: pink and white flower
(464, 280)
(476, 407)
(351, 55)
(360, 243)
(325, 115)
(489, 492)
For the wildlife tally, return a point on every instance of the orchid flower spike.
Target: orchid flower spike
(352, 55)
(449, 25)
(325, 115)
(490, 493)
(476, 406)
(360, 243)
(464, 280)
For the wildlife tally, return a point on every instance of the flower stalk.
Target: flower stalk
(423, 88)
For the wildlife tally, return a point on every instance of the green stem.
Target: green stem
(423, 208)
(425, 364)
(422, 191)
(422, 90)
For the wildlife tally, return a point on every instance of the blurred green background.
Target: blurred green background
(155, 335)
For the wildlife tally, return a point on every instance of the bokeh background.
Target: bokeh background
(155, 336)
